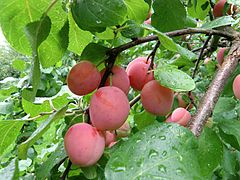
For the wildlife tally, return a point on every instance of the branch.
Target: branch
(210, 99)
(172, 34)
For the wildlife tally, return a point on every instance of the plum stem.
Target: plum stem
(152, 55)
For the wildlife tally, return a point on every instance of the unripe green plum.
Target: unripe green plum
(218, 9)
(157, 99)
(220, 55)
(124, 130)
(138, 73)
(236, 86)
(109, 138)
(119, 79)
(83, 78)
(109, 108)
(84, 144)
(180, 116)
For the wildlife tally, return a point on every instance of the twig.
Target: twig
(66, 170)
(210, 99)
(201, 55)
(135, 100)
(152, 55)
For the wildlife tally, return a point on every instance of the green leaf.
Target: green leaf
(174, 79)
(160, 151)
(143, 119)
(35, 109)
(190, 22)
(78, 39)
(19, 65)
(230, 127)
(224, 104)
(94, 52)
(43, 171)
(229, 161)
(197, 11)
(107, 34)
(15, 15)
(90, 172)
(36, 32)
(9, 130)
(210, 152)
(137, 10)
(168, 15)
(169, 44)
(132, 30)
(96, 15)
(6, 107)
(22, 148)
(53, 48)
(11, 171)
(221, 21)
(225, 109)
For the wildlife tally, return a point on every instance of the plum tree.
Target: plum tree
(236, 86)
(220, 55)
(109, 108)
(84, 144)
(180, 116)
(218, 9)
(119, 79)
(157, 99)
(124, 130)
(83, 78)
(138, 73)
(110, 137)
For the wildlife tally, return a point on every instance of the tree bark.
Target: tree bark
(208, 102)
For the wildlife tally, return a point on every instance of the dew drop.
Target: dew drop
(162, 137)
(98, 21)
(140, 162)
(162, 168)
(152, 153)
(164, 153)
(138, 140)
(120, 169)
(180, 158)
(153, 136)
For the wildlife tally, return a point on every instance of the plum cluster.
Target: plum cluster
(109, 106)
